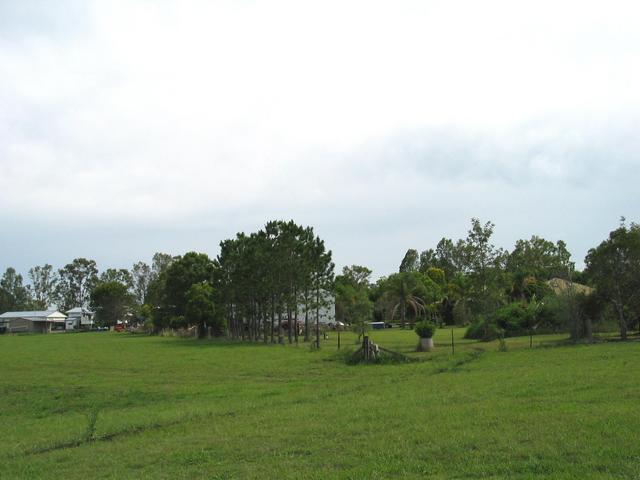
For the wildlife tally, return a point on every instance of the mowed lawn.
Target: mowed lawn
(106, 405)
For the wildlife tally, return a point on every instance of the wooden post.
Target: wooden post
(453, 348)
(338, 339)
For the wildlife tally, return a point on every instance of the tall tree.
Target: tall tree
(141, 277)
(44, 281)
(184, 272)
(121, 275)
(405, 291)
(200, 308)
(484, 265)
(76, 280)
(614, 269)
(111, 301)
(410, 262)
(14, 296)
(540, 258)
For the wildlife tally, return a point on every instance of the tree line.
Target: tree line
(534, 287)
(271, 285)
(263, 286)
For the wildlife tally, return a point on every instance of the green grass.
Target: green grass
(104, 405)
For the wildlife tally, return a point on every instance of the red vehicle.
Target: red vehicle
(119, 327)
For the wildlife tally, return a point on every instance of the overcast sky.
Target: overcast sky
(133, 127)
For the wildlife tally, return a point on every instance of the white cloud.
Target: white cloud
(160, 113)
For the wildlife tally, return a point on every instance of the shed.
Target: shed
(34, 321)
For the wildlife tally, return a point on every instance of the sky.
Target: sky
(132, 127)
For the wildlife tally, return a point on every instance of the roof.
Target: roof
(559, 285)
(36, 316)
(79, 310)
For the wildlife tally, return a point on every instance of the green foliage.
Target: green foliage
(111, 301)
(200, 309)
(173, 284)
(614, 269)
(408, 292)
(437, 276)
(540, 258)
(354, 306)
(410, 262)
(509, 320)
(263, 279)
(43, 283)
(425, 329)
(76, 281)
(120, 275)
(483, 328)
(14, 296)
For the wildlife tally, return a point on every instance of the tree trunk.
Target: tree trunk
(318, 318)
(295, 314)
(306, 315)
(622, 321)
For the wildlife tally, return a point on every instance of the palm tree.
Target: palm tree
(402, 291)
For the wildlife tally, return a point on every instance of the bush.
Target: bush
(425, 329)
(509, 320)
(514, 318)
(483, 328)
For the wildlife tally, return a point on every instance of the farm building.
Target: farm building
(38, 321)
(79, 318)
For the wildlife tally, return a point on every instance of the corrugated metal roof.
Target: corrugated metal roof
(35, 315)
(79, 310)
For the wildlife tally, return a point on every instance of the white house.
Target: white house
(36, 321)
(79, 318)
(327, 310)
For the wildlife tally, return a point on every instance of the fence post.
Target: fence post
(453, 348)
(365, 347)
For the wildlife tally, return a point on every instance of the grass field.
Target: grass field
(103, 405)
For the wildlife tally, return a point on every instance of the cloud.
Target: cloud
(183, 122)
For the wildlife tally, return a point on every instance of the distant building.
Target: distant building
(79, 318)
(560, 286)
(327, 309)
(36, 321)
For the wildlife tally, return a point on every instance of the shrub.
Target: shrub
(483, 328)
(425, 329)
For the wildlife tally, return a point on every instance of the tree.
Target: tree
(271, 276)
(76, 281)
(353, 284)
(356, 306)
(159, 265)
(200, 308)
(483, 264)
(14, 296)
(357, 275)
(178, 277)
(44, 282)
(404, 291)
(121, 275)
(613, 267)
(141, 278)
(410, 262)
(540, 258)
(448, 256)
(111, 301)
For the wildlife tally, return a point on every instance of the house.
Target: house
(38, 321)
(326, 310)
(79, 318)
